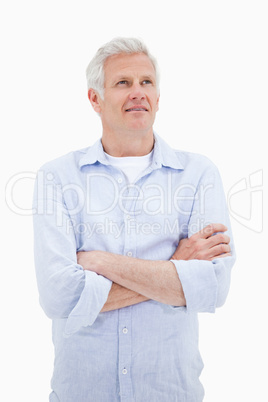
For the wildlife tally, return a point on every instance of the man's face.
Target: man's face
(130, 94)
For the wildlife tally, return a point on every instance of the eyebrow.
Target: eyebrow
(127, 78)
(149, 77)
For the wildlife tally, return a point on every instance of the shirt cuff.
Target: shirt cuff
(199, 284)
(90, 303)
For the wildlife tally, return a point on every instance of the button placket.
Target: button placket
(124, 363)
(130, 221)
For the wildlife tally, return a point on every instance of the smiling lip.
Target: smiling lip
(137, 108)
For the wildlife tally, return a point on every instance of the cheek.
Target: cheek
(155, 106)
(115, 106)
(110, 110)
(154, 100)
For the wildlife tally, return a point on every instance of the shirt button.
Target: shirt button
(120, 180)
(125, 330)
(129, 253)
(124, 371)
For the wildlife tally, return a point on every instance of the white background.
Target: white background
(213, 61)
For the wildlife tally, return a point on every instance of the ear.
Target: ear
(94, 99)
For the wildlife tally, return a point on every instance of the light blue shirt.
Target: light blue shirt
(148, 351)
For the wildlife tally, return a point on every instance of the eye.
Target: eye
(122, 82)
(146, 82)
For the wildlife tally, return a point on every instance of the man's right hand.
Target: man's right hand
(207, 244)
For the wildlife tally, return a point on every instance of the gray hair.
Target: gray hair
(95, 70)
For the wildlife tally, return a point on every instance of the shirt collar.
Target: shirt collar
(94, 154)
(163, 155)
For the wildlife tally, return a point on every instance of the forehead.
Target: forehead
(128, 64)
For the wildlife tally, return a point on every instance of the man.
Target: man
(130, 244)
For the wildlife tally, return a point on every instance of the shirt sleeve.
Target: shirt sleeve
(206, 283)
(65, 289)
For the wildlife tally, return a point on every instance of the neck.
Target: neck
(128, 144)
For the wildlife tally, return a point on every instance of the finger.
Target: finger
(218, 239)
(221, 256)
(210, 230)
(219, 250)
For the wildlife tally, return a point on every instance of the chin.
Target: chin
(143, 130)
(140, 126)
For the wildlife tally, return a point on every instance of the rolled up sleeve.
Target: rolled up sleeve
(206, 283)
(65, 289)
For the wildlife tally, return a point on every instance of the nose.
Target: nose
(137, 92)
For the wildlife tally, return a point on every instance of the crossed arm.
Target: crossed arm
(136, 280)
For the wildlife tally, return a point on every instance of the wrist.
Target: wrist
(104, 261)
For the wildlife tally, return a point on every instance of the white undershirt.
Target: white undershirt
(131, 166)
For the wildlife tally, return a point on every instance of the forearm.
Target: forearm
(157, 280)
(120, 296)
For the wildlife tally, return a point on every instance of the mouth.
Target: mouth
(137, 109)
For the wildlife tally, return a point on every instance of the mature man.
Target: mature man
(130, 244)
